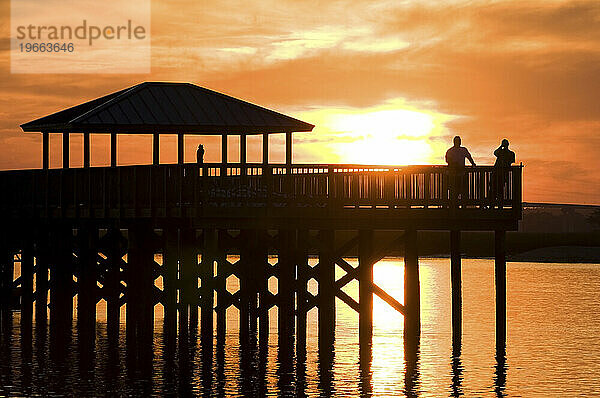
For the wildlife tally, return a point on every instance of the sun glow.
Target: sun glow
(393, 133)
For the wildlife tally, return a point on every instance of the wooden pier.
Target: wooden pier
(94, 233)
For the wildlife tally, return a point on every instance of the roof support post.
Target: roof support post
(45, 150)
(223, 154)
(155, 149)
(86, 150)
(288, 149)
(179, 148)
(223, 148)
(113, 149)
(265, 149)
(243, 146)
(243, 153)
(65, 150)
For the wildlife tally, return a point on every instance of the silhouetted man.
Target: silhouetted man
(455, 157)
(200, 155)
(504, 158)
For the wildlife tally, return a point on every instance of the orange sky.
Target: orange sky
(382, 80)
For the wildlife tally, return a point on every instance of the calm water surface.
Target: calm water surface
(552, 347)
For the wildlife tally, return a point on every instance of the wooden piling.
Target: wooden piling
(302, 269)
(86, 283)
(207, 289)
(140, 295)
(27, 260)
(170, 265)
(61, 281)
(86, 288)
(220, 286)
(365, 266)
(326, 274)
(132, 292)
(253, 278)
(6, 284)
(264, 298)
(500, 278)
(42, 255)
(412, 289)
(188, 281)
(112, 282)
(285, 288)
(456, 282)
(247, 301)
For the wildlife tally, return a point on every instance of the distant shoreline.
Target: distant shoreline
(560, 254)
(555, 254)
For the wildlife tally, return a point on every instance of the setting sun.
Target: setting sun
(393, 133)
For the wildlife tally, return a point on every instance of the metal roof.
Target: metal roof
(151, 107)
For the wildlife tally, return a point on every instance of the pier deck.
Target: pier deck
(316, 196)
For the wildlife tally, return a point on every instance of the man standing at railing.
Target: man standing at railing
(200, 155)
(504, 159)
(455, 157)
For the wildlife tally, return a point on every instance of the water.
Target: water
(552, 348)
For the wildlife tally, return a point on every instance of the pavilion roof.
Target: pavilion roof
(163, 107)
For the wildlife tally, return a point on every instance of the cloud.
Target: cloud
(526, 70)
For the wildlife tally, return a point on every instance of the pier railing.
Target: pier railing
(85, 191)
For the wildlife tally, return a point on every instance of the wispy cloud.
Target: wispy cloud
(526, 70)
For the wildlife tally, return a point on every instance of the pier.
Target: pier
(95, 232)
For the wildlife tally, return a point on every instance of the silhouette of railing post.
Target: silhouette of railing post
(456, 282)
(517, 188)
(331, 188)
